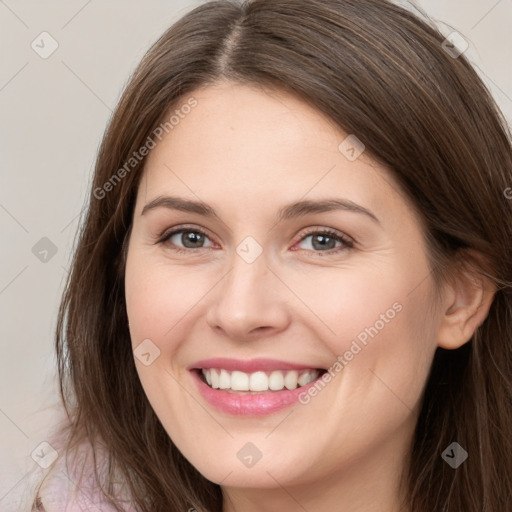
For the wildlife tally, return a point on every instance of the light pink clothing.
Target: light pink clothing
(60, 491)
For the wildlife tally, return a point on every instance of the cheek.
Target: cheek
(349, 302)
(160, 302)
(378, 330)
(158, 296)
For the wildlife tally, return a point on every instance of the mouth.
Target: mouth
(253, 388)
(235, 381)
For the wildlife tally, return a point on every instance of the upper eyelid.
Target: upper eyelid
(173, 231)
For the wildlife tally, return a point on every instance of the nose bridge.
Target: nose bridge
(249, 296)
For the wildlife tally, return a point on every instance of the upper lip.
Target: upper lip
(249, 365)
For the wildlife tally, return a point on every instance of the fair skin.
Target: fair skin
(247, 152)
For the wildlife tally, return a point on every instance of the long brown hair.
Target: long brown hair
(379, 72)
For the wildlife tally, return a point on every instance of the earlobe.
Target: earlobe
(467, 304)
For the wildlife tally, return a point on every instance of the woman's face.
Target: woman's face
(272, 294)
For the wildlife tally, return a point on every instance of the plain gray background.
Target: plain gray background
(53, 113)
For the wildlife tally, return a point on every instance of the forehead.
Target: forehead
(264, 148)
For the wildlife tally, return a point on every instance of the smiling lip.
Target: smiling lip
(248, 366)
(257, 404)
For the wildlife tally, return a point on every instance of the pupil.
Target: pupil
(323, 244)
(192, 238)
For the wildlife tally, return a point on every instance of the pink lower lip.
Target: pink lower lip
(259, 404)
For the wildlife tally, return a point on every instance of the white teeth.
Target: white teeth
(224, 380)
(276, 381)
(215, 378)
(290, 379)
(258, 381)
(305, 378)
(239, 381)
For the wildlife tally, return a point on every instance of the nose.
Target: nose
(249, 302)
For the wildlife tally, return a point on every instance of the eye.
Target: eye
(322, 240)
(191, 238)
(326, 240)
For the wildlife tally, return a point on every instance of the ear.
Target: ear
(467, 300)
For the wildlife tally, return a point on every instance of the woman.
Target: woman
(292, 289)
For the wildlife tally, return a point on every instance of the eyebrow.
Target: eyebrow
(293, 210)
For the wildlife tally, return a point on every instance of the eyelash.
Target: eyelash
(338, 236)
